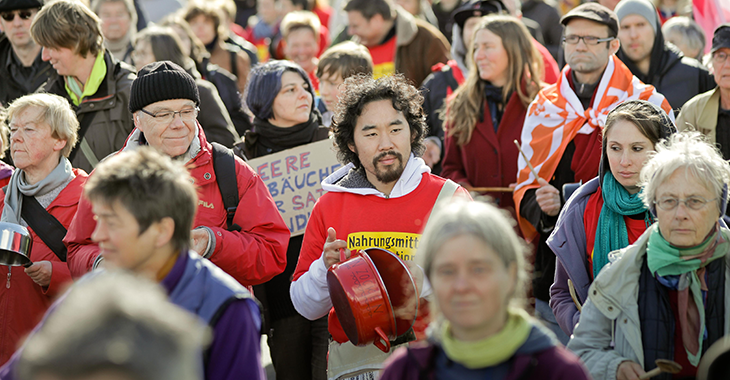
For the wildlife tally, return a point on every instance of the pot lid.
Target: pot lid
(400, 286)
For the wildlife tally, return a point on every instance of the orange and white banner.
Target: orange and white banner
(556, 116)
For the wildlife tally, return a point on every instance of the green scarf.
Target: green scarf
(98, 73)
(617, 202)
(492, 350)
(663, 259)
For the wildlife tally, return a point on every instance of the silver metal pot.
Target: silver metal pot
(15, 245)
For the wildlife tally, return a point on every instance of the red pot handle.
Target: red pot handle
(383, 343)
(344, 256)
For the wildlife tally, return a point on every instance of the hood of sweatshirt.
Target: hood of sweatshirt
(458, 49)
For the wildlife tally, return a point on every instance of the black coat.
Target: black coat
(436, 87)
(213, 116)
(549, 20)
(657, 318)
(274, 294)
(12, 87)
(675, 76)
(227, 87)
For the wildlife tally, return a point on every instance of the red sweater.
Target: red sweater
(383, 58)
(634, 227)
(366, 221)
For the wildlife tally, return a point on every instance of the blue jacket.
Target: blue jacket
(203, 289)
(197, 285)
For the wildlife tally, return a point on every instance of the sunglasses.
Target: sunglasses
(10, 16)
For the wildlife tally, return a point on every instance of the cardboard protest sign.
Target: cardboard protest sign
(293, 178)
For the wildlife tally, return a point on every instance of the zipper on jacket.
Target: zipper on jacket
(10, 272)
(612, 345)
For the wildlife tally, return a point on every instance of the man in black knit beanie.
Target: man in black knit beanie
(252, 249)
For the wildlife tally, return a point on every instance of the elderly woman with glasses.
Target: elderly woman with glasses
(666, 295)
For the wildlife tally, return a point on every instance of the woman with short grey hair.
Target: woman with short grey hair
(687, 35)
(43, 194)
(475, 262)
(690, 152)
(667, 295)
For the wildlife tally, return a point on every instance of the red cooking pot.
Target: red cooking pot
(371, 307)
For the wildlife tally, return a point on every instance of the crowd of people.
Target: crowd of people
(560, 173)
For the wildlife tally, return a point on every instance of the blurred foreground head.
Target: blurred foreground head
(115, 326)
(475, 262)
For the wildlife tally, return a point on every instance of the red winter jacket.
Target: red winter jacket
(252, 256)
(489, 159)
(23, 304)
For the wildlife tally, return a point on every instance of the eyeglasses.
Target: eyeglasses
(693, 203)
(589, 40)
(188, 114)
(719, 57)
(10, 16)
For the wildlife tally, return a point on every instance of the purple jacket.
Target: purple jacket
(540, 357)
(568, 241)
(235, 352)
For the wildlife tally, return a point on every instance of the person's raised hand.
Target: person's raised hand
(332, 248)
(548, 197)
(629, 370)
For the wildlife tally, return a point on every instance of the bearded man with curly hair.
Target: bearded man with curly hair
(381, 197)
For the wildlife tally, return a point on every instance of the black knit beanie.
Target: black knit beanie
(160, 81)
(11, 5)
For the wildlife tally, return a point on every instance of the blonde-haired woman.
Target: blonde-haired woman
(475, 263)
(485, 114)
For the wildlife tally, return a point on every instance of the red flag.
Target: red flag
(710, 14)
